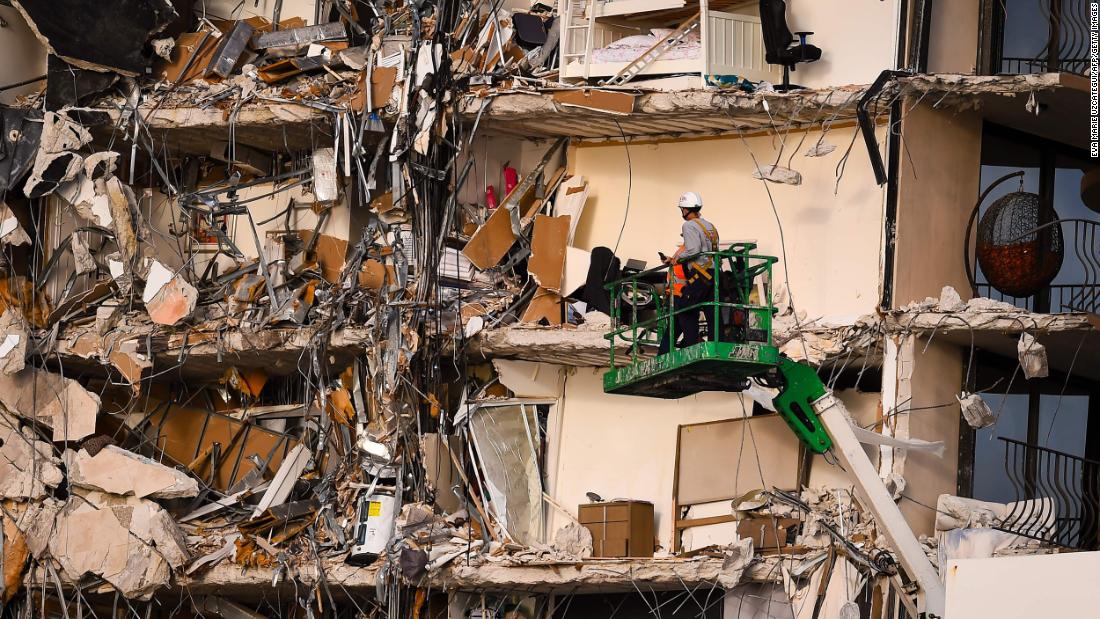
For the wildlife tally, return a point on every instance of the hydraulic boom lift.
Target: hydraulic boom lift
(740, 349)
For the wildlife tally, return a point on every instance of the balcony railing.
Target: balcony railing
(1061, 27)
(1080, 265)
(1058, 496)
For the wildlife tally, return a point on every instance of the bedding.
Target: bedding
(629, 48)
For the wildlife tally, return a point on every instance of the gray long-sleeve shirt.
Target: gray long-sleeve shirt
(696, 241)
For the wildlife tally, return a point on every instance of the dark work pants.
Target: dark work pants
(685, 325)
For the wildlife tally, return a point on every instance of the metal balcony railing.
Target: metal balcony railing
(1058, 496)
(1063, 24)
(1080, 265)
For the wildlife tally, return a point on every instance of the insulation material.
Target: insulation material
(504, 437)
(1033, 357)
(325, 185)
(548, 245)
(868, 437)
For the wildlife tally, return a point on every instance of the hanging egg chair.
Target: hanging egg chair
(1019, 245)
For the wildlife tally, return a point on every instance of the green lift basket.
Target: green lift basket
(741, 308)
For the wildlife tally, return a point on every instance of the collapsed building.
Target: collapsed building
(308, 307)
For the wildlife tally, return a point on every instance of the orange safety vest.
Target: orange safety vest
(678, 277)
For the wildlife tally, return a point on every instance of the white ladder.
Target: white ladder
(639, 64)
(576, 10)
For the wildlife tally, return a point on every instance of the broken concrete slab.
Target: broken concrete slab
(122, 472)
(99, 36)
(50, 399)
(13, 342)
(37, 522)
(132, 543)
(28, 467)
(11, 233)
(167, 296)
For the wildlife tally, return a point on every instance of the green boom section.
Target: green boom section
(801, 388)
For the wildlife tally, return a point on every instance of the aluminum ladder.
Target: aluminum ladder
(578, 10)
(639, 64)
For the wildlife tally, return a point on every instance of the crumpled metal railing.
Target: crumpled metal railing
(1058, 496)
(1081, 240)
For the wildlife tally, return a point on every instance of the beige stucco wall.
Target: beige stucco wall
(953, 40)
(857, 39)
(625, 447)
(936, 380)
(24, 57)
(251, 8)
(832, 241)
(937, 187)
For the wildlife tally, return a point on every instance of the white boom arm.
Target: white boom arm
(888, 519)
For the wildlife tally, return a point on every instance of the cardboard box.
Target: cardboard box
(619, 528)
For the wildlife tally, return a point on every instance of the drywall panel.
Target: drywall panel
(857, 40)
(953, 39)
(18, 41)
(937, 379)
(833, 235)
(712, 465)
(937, 187)
(1061, 585)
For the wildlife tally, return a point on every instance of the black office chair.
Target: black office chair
(779, 44)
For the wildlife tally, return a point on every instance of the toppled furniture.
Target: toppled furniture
(779, 44)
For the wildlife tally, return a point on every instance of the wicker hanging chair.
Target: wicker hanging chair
(1019, 254)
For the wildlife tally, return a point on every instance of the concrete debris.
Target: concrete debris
(329, 272)
(574, 539)
(117, 471)
(57, 402)
(778, 174)
(168, 296)
(131, 543)
(1033, 357)
(975, 411)
(11, 233)
(28, 468)
(13, 342)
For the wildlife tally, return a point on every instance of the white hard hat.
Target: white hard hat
(690, 199)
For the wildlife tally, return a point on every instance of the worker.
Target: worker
(691, 274)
